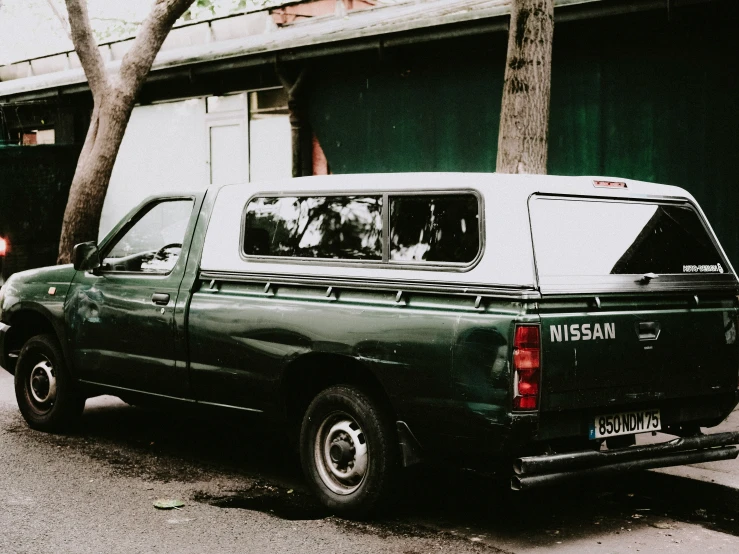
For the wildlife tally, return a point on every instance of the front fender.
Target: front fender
(33, 302)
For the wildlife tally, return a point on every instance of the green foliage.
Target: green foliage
(108, 30)
(206, 4)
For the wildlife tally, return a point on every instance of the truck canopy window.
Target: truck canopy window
(583, 238)
(434, 228)
(332, 227)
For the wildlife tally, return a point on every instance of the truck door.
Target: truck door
(121, 316)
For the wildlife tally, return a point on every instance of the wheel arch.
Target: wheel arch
(25, 323)
(311, 373)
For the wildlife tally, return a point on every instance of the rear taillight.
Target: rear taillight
(3, 246)
(526, 367)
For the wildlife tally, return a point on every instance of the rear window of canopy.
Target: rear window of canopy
(579, 237)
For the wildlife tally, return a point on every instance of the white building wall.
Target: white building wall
(270, 159)
(187, 145)
(164, 150)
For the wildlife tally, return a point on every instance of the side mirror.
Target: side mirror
(86, 256)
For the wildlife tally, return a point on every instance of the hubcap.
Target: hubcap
(43, 383)
(341, 454)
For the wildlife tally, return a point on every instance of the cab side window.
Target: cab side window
(153, 244)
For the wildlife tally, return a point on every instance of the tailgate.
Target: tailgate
(636, 352)
(638, 312)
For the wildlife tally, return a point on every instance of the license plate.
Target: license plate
(626, 423)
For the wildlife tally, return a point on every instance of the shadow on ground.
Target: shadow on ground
(160, 446)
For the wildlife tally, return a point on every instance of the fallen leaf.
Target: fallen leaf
(168, 504)
(660, 524)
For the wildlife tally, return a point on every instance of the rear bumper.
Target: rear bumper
(536, 471)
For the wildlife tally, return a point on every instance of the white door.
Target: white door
(228, 153)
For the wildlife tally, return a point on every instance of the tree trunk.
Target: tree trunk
(113, 97)
(301, 137)
(524, 117)
(300, 130)
(92, 175)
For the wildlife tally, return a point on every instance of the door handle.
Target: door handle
(648, 330)
(160, 298)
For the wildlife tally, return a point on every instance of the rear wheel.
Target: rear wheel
(348, 450)
(46, 395)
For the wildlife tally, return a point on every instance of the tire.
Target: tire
(348, 450)
(46, 394)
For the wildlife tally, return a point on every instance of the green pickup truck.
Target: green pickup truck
(536, 322)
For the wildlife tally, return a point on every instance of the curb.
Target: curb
(715, 488)
(706, 475)
(714, 483)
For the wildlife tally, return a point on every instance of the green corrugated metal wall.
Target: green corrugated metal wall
(34, 185)
(426, 110)
(637, 96)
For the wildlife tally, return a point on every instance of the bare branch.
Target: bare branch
(60, 16)
(115, 20)
(86, 47)
(138, 60)
(292, 88)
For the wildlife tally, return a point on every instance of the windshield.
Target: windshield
(577, 237)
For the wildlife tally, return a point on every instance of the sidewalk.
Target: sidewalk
(722, 476)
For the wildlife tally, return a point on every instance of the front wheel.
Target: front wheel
(45, 392)
(348, 450)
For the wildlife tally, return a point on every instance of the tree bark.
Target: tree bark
(524, 117)
(300, 130)
(113, 101)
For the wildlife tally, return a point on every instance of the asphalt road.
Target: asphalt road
(92, 491)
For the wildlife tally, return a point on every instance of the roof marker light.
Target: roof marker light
(610, 184)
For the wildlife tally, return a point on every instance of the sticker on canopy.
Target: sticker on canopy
(710, 268)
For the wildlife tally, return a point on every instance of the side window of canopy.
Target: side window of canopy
(434, 228)
(425, 229)
(333, 227)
